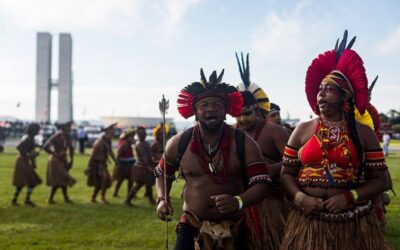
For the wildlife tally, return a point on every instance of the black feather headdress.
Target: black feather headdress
(196, 91)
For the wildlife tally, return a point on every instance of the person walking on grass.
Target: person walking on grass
(97, 172)
(59, 146)
(125, 158)
(142, 171)
(24, 172)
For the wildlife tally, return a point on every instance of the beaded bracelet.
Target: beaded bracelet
(298, 199)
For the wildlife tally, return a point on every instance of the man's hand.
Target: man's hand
(336, 203)
(312, 204)
(164, 210)
(225, 203)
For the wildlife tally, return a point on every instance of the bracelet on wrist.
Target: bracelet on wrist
(240, 201)
(355, 195)
(159, 199)
(298, 199)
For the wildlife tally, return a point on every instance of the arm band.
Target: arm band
(290, 157)
(159, 170)
(257, 172)
(375, 160)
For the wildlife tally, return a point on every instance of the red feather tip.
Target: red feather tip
(352, 66)
(235, 103)
(185, 104)
(319, 68)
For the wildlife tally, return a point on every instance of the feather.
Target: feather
(240, 67)
(319, 68)
(372, 85)
(352, 66)
(342, 45)
(203, 78)
(248, 69)
(235, 104)
(219, 80)
(351, 43)
(244, 69)
(336, 45)
(213, 78)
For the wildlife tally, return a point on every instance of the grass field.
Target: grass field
(114, 226)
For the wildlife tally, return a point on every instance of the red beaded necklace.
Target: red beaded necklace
(214, 164)
(332, 135)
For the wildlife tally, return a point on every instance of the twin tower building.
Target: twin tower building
(44, 83)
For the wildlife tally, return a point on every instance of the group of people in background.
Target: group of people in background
(136, 168)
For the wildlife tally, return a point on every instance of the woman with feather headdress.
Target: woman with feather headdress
(333, 165)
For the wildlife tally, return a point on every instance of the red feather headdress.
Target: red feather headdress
(196, 91)
(345, 63)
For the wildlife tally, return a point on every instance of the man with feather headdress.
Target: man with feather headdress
(265, 221)
(222, 167)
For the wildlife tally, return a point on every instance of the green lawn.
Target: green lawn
(96, 226)
(395, 143)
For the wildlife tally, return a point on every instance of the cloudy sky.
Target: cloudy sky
(126, 54)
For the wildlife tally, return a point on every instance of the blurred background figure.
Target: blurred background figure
(2, 139)
(82, 138)
(386, 140)
(59, 146)
(274, 115)
(24, 171)
(142, 171)
(125, 159)
(97, 172)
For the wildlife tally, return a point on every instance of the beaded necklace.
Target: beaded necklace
(215, 164)
(334, 134)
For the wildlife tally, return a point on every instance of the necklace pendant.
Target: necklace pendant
(211, 167)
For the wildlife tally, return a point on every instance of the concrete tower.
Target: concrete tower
(43, 78)
(65, 79)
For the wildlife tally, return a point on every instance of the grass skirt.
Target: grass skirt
(98, 175)
(352, 229)
(266, 222)
(122, 172)
(57, 173)
(25, 174)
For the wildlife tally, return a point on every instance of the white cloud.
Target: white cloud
(126, 17)
(72, 14)
(288, 36)
(173, 13)
(391, 44)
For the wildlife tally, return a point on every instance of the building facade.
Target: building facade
(43, 78)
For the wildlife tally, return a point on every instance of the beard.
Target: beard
(212, 127)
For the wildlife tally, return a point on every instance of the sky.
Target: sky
(127, 54)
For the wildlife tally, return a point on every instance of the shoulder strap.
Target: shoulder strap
(183, 143)
(240, 149)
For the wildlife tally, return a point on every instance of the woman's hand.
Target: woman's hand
(312, 204)
(336, 203)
